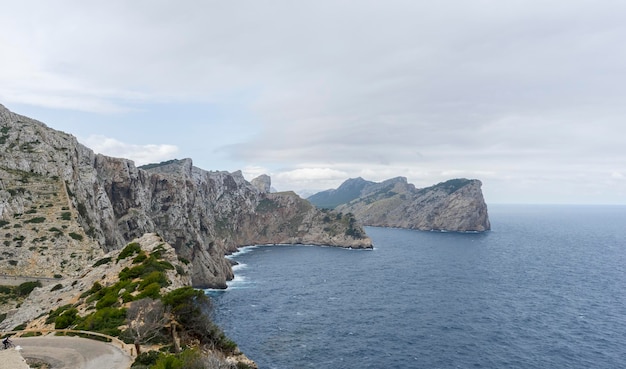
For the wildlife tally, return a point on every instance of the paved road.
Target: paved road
(73, 352)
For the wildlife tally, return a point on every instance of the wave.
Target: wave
(241, 251)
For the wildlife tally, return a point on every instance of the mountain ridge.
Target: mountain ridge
(455, 205)
(101, 203)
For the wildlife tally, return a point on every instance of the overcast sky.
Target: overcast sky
(527, 96)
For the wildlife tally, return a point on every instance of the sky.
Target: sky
(527, 96)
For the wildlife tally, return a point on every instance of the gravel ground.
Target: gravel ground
(73, 353)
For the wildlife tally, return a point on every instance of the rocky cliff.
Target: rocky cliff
(455, 205)
(62, 206)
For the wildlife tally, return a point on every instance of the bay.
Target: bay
(544, 288)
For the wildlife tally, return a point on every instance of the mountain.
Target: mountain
(456, 205)
(348, 191)
(63, 206)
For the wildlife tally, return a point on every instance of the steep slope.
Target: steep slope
(455, 205)
(98, 203)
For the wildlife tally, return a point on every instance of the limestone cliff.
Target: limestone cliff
(455, 205)
(62, 205)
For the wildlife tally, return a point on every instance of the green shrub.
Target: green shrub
(140, 258)
(132, 273)
(66, 215)
(154, 277)
(56, 287)
(26, 288)
(66, 319)
(3, 223)
(102, 261)
(6, 290)
(168, 362)
(153, 290)
(107, 300)
(76, 236)
(130, 249)
(106, 320)
(56, 230)
(148, 358)
(36, 220)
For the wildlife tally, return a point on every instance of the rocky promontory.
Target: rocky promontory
(456, 205)
(63, 206)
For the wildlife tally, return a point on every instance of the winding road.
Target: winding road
(73, 352)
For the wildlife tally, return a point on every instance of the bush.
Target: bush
(154, 277)
(107, 300)
(146, 359)
(26, 288)
(36, 220)
(102, 261)
(130, 249)
(152, 290)
(56, 287)
(106, 320)
(140, 258)
(76, 236)
(66, 319)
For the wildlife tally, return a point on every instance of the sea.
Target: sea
(545, 288)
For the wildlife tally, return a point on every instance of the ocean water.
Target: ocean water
(546, 288)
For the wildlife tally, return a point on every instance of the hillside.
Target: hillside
(136, 294)
(63, 206)
(455, 205)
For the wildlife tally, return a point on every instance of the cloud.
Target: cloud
(309, 178)
(140, 154)
(518, 92)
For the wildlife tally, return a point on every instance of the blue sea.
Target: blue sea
(546, 288)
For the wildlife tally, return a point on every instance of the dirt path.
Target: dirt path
(73, 352)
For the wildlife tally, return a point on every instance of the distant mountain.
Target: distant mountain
(348, 191)
(455, 205)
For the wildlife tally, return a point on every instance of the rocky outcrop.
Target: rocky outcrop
(105, 271)
(65, 195)
(262, 183)
(456, 205)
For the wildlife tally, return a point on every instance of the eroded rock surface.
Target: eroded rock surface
(62, 205)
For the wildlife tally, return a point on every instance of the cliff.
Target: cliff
(62, 206)
(456, 205)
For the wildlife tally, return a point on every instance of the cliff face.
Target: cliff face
(455, 205)
(98, 203)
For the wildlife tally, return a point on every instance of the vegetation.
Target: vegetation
(36, 220)
(137, 311)
(102, 261)
(16, 294)
(266, 206)
(130, 249)
(76, 236)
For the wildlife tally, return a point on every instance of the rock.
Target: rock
(89, 204)
(455, 205)
(44, 299)
(263, 183)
